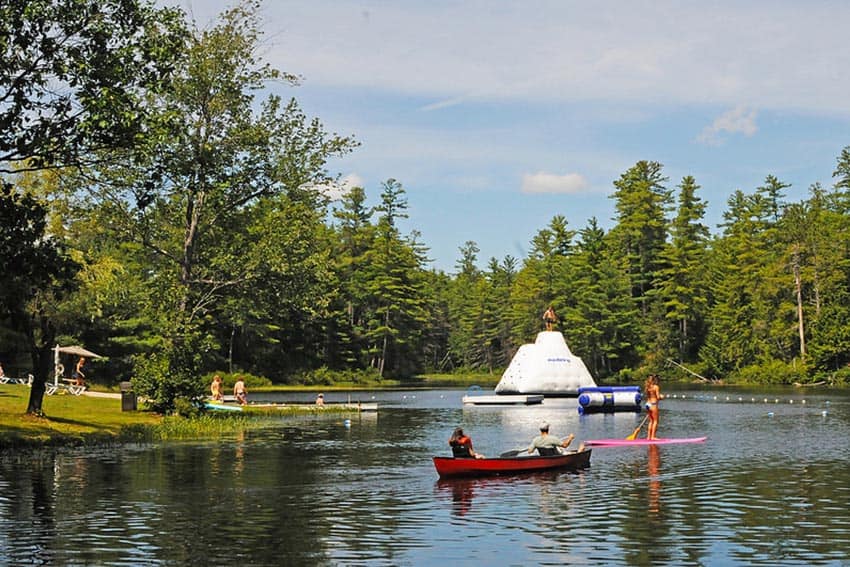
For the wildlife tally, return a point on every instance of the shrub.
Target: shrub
(324, 376)
(185, 407)
(840, 377)
(771, 372)
(171, 373)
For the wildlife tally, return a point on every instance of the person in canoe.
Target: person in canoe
(461, 446)
(653, 395)
(547, 444)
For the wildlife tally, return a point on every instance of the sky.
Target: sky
(495, 116)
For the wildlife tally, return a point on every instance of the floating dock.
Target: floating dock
(609, 399)
(503, 400)
(349, 406)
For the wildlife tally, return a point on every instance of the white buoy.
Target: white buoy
(823, 413)
(347, 423)
(770, 414)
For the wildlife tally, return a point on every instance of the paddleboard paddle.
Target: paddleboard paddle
(634, 434)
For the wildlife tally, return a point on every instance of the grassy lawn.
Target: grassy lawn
(69, 419)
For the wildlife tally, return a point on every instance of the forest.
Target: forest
(163, 210)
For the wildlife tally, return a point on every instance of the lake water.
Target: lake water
(770, 487)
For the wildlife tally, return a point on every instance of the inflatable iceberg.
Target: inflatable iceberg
(546, 367)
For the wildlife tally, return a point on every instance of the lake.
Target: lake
(770, 486)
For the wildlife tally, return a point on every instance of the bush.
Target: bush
(840, 377)
(324, 376)
(771, 372)
(163, 377)
(185, 407)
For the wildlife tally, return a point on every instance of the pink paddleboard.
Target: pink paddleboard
(622, 442)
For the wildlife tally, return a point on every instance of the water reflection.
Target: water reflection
(762, 490)
(462, 491)
(653, 467)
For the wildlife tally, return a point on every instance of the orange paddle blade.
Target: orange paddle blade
(634, 434)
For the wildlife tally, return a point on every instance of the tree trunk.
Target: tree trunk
(799, 285)
(230, 349)
(42, 363)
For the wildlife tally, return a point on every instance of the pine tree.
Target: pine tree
(681, 282)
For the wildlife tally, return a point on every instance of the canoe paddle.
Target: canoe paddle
(513, 453)
(516, 452)
(633, 436)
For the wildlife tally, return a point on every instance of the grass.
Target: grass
(83, 420)
(486, 381)
(69, 420)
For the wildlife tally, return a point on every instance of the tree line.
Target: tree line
(160, 209)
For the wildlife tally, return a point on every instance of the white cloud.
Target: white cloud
(542, 182)
(336, 191)
(760, 52)
(739, 120)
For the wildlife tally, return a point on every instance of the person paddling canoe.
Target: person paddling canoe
(547, 444)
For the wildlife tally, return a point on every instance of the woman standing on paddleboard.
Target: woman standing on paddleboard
(653, 395)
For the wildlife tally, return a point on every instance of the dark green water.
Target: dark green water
(769, 487)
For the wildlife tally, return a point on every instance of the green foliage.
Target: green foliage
(74, 75)
(43, 274)
(772, 372)
(326, 377)
(839, 378)
(170, 374)
(187, 408)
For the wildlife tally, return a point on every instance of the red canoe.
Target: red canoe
(450, 466)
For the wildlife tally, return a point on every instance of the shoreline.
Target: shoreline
(96, 419)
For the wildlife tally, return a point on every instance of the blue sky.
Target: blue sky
(495, 116)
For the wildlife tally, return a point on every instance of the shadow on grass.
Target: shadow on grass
(93, 425)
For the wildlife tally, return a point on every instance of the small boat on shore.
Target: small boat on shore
(459, 467)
